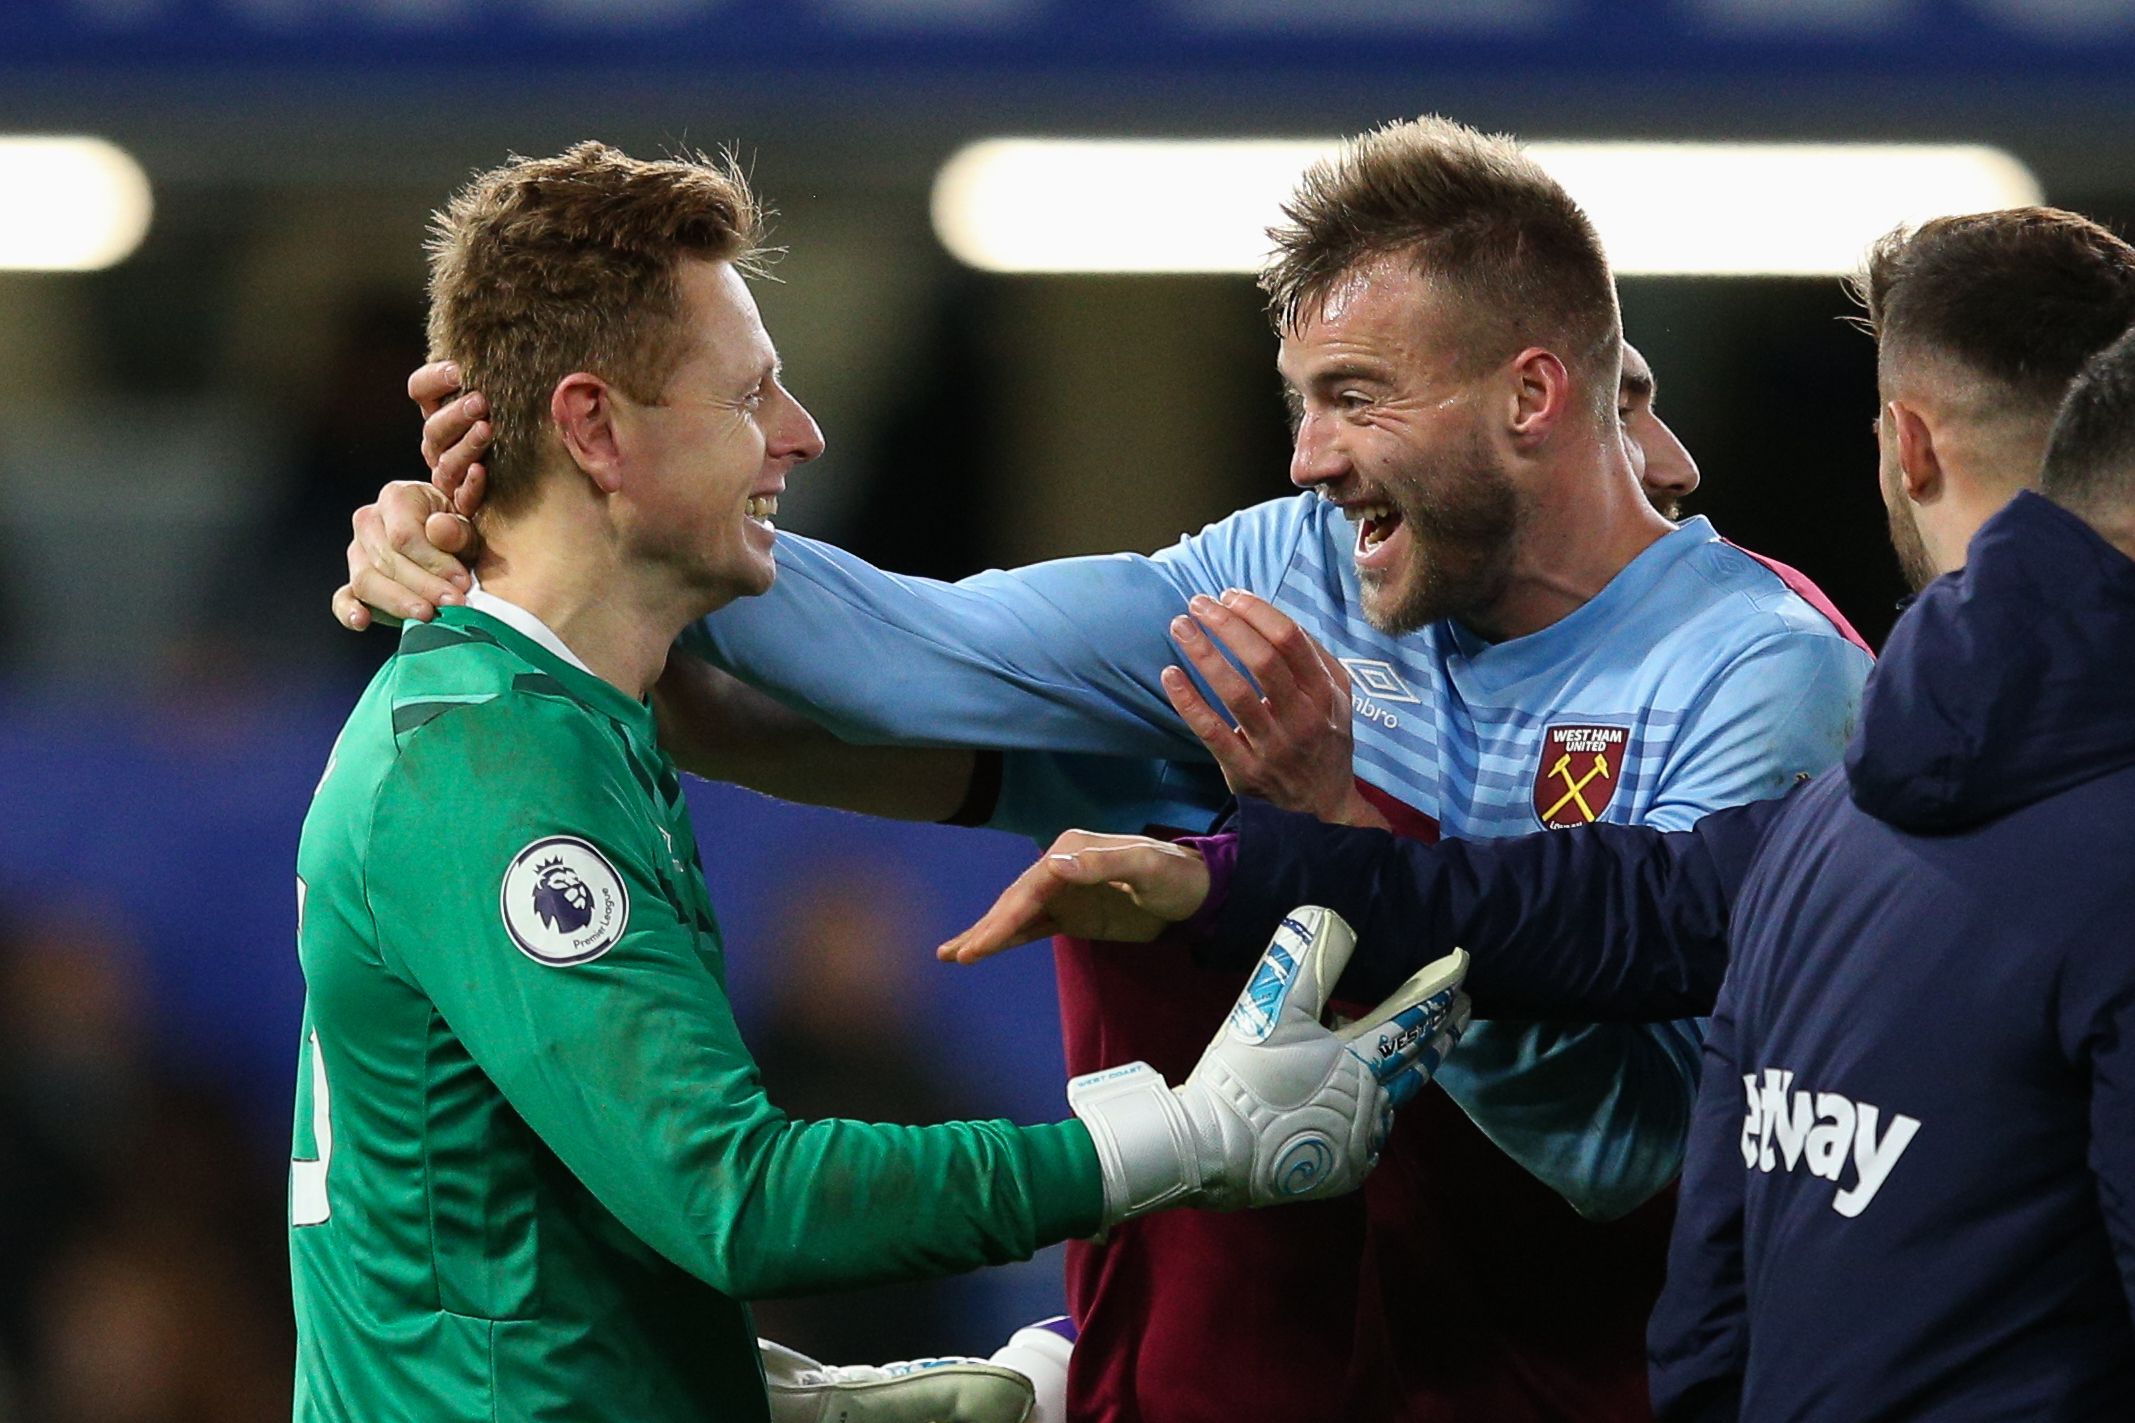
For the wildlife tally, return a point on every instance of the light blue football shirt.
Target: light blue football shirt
(1696, 679)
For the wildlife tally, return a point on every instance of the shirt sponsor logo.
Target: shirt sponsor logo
(563, 902)
(1578, 773)
(1787, 1128)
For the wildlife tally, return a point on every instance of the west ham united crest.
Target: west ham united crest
(1579, 770)
(563, 903)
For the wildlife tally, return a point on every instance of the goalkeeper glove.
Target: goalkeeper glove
(951, 1389)
(1280, 1108)
(1024, 1382)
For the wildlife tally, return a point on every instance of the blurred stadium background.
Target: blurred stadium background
(184, 431)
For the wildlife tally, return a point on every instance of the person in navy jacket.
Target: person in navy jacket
(1910, 1187)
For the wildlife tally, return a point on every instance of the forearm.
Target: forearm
(828, 1205)
(1603, 923)
(671, 1131)
(1061, 656)
(1597, 1112)
(718, 727)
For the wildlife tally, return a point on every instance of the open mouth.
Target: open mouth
(1376, 525)
(761, 508)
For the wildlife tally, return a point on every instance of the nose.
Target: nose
(1316, 456)
(1670, 472)
(796, 437)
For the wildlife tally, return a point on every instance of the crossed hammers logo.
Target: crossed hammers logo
(1574, 789)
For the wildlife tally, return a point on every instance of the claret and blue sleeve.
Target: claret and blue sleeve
(1059, 656)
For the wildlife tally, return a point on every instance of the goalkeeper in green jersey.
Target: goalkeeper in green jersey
(534, 1173)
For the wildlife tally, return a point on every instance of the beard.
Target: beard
(1914, 561)
(1462, 515)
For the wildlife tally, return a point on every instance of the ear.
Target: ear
(1919, 467)
(1541, 394)
(583, 408)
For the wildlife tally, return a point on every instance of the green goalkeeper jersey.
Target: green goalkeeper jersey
(535, 1175)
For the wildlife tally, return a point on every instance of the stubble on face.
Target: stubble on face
(1914, 562)
(1462, 514)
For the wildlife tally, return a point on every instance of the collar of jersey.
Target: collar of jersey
(1502, 663)
(534, 640)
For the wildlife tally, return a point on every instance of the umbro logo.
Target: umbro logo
(1379, 679)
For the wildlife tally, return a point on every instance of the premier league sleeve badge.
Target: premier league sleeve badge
(563, 902)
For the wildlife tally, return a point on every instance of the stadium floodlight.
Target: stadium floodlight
(69, 204)
(1663, 209)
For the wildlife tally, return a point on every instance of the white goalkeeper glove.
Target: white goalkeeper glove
(1280, 1108)
(1024, 1382)
(951, 1389)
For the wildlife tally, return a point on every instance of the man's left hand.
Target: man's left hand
(1288, 742)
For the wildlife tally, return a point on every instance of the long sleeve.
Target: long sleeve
(1595, 924)
(1059, 656)
(629, 1064)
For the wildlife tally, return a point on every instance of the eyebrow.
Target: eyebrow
(1639, 385)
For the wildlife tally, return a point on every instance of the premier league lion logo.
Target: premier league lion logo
(563, 902)
(561, 897)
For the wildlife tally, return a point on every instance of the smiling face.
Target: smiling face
(1391, 429)
(713, 453)
(1665, 469)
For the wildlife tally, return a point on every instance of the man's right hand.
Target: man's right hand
(1121, 888)
(403, 560)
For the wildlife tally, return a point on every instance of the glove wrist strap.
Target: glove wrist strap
(1145, 1144)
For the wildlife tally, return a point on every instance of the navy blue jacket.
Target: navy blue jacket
(1910, 1185)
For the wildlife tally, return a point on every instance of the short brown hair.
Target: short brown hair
(2090, 459)
(546, 266)
(2021, 296)
(1469, 209)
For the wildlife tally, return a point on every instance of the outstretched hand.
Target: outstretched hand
(1288, 742)
(1125, 888)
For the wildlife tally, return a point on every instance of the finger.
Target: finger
(349, 610)
(387, 564)
(1277, 683)
(1238, 696)
(1402, 1040)
(1219, 736)
(385, 596)
(1300, 653)
(451, 423)
(473, 489)
(454, 464)
(1017, 916)
(405, 509)
(432, 385)
(449, 532)
(1431, 989)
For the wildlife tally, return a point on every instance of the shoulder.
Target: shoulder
(1760, 598)
(1271, 528)
(474, 723)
